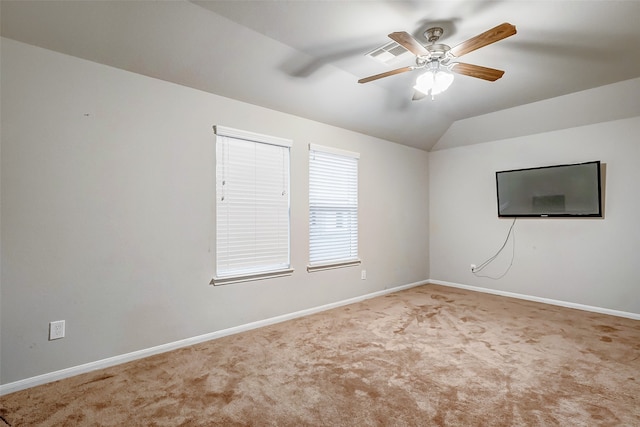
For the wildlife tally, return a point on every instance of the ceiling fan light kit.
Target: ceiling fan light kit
(440, 60)
(436, 80)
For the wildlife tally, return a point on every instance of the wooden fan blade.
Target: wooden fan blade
(387, 74)
(412, 45)
(484, 73)
(493, 35)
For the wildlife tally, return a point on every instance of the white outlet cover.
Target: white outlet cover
(56, 330)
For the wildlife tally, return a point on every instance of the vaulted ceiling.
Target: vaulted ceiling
(305, 57)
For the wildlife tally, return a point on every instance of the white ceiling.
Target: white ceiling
(305, 57)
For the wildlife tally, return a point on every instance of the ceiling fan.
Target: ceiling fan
(439, 60)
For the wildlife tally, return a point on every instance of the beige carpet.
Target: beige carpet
(428, 356)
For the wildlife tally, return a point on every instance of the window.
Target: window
(333, 208)
(252, 206)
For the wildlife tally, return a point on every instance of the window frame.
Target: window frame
(220, 277)
(327, 264)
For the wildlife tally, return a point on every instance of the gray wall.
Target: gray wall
(107, 209)
(584, 261)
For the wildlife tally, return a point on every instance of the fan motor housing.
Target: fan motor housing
(437, 51)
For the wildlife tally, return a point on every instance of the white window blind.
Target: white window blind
(252, 204)
(333, 206)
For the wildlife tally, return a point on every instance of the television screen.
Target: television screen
(550, 191)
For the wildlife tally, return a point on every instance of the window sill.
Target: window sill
(331, 266)
(218, 281)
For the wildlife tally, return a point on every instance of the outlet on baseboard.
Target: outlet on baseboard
(56, 330)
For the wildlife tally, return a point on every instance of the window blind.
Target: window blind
(333, 206)
(252, 206)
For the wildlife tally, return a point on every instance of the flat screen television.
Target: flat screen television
(551, 191)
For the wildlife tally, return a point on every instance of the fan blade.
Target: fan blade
(412, 45)
(484, 73)
(387, 74)
(493, 35)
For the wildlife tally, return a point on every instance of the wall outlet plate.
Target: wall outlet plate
(56, 330)
(363, 274)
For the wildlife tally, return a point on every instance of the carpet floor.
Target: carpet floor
(426, 356)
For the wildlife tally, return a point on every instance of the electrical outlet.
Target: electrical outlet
(363, 274)
(56, 330)
(473, 268)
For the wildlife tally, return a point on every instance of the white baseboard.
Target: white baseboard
(601, 310)
(123, 358)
